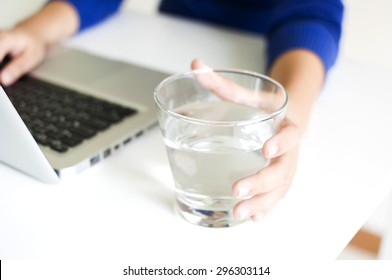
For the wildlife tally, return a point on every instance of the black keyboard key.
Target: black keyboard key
(41, 139)
(71, 141)
(58, 146)
(107, 116)
(83, 131)
(96, 123)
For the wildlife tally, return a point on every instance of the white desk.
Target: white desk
(122, 208)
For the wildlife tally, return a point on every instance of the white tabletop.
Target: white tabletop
(123, 207)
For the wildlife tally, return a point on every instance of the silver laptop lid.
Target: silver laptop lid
(18, 148)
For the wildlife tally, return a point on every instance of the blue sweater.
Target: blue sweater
(287, 24)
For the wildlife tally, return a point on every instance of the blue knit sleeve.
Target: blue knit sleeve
(93, 11)
(309, 24)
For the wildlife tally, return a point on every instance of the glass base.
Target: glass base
(206, 218)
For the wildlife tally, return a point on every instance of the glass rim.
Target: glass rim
(177, 76)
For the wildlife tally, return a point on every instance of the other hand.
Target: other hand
(26, 50)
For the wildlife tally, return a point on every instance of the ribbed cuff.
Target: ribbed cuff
(92, 11)
(304, 35)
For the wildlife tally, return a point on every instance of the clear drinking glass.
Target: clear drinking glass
(214, 124)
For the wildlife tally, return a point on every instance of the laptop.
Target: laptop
(73, 111)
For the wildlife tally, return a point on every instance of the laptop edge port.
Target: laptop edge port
(128, 140)
(94, 160)
(107, 153)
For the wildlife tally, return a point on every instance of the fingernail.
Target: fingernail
(243, 189)
(6, 79)
(244, 213)
(272, 150)
(203, 65)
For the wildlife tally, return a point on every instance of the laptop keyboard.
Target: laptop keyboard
(60, 118)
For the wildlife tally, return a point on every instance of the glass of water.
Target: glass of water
(214, 124)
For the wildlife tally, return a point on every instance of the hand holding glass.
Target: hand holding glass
(214, 124)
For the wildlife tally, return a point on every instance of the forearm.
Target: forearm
(54, 22)
(302, 74)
